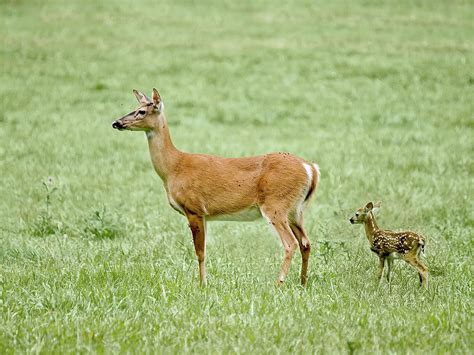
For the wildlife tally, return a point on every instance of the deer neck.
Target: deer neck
(163, 153)
(370, 227)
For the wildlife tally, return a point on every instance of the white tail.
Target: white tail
(205, 187)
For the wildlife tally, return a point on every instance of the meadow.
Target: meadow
(92, 258)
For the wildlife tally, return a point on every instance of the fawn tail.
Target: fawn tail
(421, 249)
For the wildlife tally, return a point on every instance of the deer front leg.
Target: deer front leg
(197, 226)
(381, 266)
(389, 267)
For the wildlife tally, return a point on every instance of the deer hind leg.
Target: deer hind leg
(305, 248)
(422, 273)
(414, 261)
(281, 225)
(198, 229)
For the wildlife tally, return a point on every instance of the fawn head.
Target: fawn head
(362, 213)
(145, 117)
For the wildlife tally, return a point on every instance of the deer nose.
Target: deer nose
(117, 125)
(351, 220)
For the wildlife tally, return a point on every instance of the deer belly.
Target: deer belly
(394, 255)
(245, 215)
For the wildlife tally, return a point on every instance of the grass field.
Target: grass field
(92, 259)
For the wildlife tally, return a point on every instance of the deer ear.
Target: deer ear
(157, 100)
(141, 97)
(369, 206)
(156, 97)
(376, 208)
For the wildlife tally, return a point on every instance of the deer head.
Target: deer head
(362, 213)
(144, 118)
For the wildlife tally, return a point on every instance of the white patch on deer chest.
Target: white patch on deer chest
(150, 134)
(245, 215)
(174, 204)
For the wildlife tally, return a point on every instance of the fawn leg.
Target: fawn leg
(389, 267)
(423, 273)
(305, 249)
(381, 266)
(421, 268)
(198, 229)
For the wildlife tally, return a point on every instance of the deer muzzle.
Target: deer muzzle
(118, 125)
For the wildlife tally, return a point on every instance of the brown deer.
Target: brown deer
(203, 188)
(389, 245)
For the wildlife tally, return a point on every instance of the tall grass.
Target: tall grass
(378, 94)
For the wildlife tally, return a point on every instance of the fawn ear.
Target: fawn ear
(141, 97)
(157, 100)
(369, 206)
(376, 208)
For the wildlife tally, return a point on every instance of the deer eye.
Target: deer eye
(357, 214)
(142, 112)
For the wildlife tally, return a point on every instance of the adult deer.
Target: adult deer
(203, 187)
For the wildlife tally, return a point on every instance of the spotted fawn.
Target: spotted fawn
(390, 245)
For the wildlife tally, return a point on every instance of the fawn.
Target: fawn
(389, 245)
(275, 186)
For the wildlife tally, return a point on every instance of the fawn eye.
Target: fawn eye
(142, 112)
(357, 214)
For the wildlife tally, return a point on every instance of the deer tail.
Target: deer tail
(316, 176)
(422, 246)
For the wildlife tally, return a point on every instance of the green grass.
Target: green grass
(379, 95)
